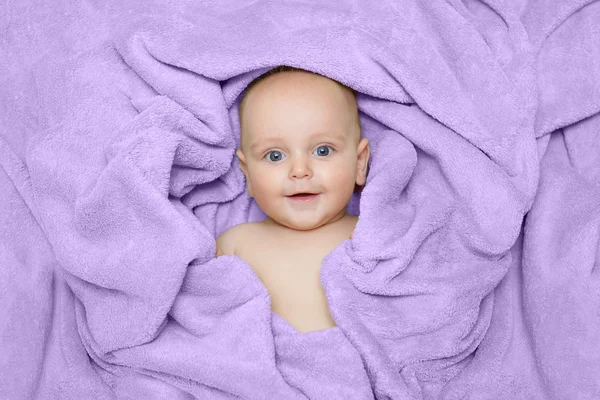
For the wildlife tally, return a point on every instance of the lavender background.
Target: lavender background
(473, 272)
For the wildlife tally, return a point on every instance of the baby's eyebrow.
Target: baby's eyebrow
(263, 143)
(328, 135)
(268, 142)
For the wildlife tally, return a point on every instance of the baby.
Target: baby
(302, 154)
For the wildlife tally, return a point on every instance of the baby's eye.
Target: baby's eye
(323, 151)
(274, 156)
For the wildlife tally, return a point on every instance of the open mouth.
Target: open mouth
(303, 196)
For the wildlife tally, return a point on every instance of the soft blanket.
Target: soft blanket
(473, 271)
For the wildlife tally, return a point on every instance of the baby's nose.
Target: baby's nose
(300, 168)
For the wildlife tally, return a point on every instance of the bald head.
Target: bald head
(287, 94)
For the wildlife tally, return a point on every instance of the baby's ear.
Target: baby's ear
(244, 167)
(240, 155)
(362, 161)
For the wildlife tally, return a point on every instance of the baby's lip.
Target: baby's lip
(302, 193)
(303, 197)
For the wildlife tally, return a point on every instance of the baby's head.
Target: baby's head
(300, 134)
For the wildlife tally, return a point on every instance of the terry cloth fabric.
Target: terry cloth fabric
(473, 270)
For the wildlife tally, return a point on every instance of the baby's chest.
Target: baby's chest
(288, 269)
(289, 276)
(293, 280)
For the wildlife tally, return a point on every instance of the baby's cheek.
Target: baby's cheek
(341, 177)
(266, 190)
(261, 187)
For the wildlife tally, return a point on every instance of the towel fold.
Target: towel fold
(473, 269)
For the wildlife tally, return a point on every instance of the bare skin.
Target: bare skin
(288, 262)
(302, 155)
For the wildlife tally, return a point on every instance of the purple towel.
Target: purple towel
(474, 270)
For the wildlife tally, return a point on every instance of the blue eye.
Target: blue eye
(274, 156)
(323, 151)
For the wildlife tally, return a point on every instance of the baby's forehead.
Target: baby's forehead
(288, 98)
(296, 85)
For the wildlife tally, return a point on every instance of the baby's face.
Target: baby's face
(301, 149)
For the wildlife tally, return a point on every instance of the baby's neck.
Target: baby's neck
(338, 219)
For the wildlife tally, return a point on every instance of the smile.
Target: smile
(303, 197)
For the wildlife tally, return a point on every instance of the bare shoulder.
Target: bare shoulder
(229, 242)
